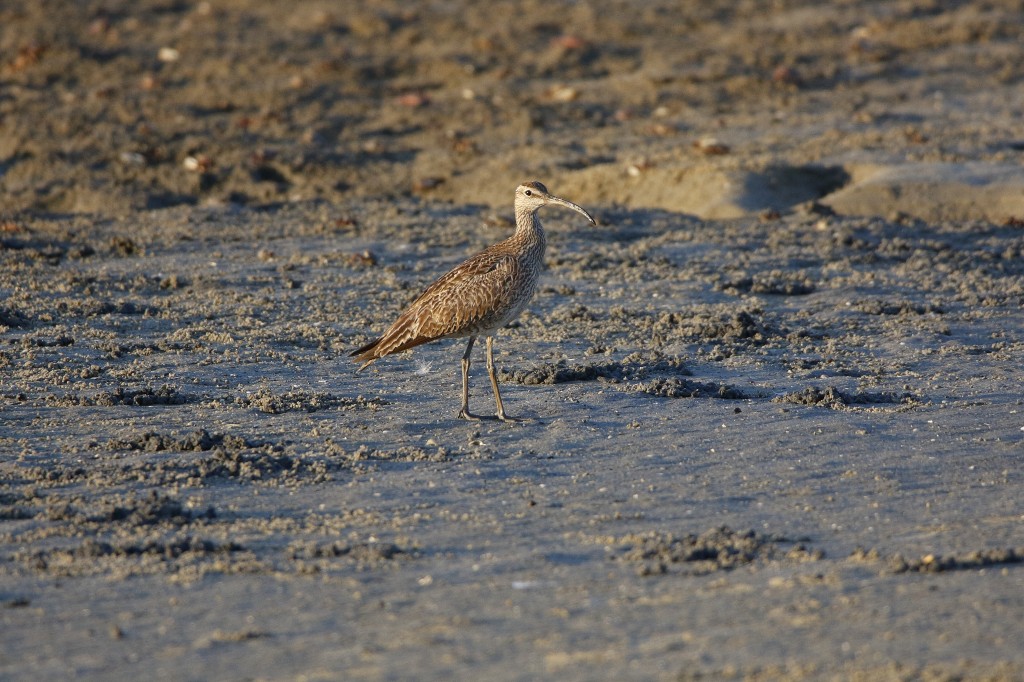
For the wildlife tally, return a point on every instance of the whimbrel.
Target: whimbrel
(478, 297)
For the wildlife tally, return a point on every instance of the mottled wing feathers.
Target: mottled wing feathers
(473, 297)
(471, 272)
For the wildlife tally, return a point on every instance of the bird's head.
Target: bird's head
(531, 196)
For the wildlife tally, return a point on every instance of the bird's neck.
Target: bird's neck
(529, 229)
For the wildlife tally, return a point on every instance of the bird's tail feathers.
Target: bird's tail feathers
(365, 354)
(402, 336)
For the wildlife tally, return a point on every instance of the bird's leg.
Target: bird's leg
(494, 383)
(464, 412)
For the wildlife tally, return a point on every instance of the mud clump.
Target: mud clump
(13, 507)
(832, 398)
(230, 456)
(877, 306)
(743, 327)
(311, 557)
(153, 509)
(11, 317)
(774, 283)
(560, 372)
(197, 441)
(746, 327)
(718, 549)
(93, 556)
(665, 377)
(674, 387)
(267, 467)
(934, 563)
(303, 401)
(406, 453)
(165, 395)
(59, 341)
(144, 397)
(632, 367)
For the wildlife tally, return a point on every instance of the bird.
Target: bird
(479, 296)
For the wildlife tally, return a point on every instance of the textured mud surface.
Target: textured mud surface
(779, 442)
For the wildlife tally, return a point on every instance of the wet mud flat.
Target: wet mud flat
(762, 448)
(772, 403)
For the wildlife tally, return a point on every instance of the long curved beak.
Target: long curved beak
(575, 207)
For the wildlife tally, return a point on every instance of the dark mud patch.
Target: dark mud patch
(316, 557)
(406, 453)
(674, 387)
(718, 549)
(661, 376)
(561, 372)
(833, 398)
(45, 251)
(937, 563)
(131, 510)
(267, 467)
(748, 326)
(631, 368)
(197, 441)
(886, 306)
(745, 327)
(230, 458)
(11, 317)
(773, 283)
(143, 397)
(94, 556)
(154, 508)
(15, 506)
(304, 401)
(219, 458)
(47, 341)
(119, 349)
(632, 268)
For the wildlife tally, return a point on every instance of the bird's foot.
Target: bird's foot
(465, 414)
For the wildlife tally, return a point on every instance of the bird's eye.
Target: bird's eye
(528, 193)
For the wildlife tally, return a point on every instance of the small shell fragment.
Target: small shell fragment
(168, 54)
(427, 184)
(710, 146)
(413, 100)
(563, 93)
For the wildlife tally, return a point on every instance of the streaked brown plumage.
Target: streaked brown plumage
(478, 297)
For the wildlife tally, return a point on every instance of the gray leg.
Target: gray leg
(464, 412)
(494, 383)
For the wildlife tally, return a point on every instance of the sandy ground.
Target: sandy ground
(773, 418)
